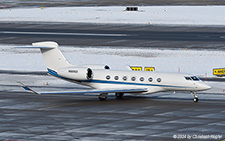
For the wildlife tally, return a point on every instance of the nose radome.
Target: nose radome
(208, 87)
(204, 86)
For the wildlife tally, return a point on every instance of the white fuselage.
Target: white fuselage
(154, 82)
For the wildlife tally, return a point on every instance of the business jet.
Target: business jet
(104, 80)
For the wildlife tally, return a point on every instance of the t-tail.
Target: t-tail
(53, 57)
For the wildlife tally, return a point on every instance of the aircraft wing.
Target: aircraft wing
(94, 91)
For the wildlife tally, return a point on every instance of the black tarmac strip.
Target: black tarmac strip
(111, 35)
(67, 3)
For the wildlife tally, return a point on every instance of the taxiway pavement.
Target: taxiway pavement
(64, 3)
(111, 35)
(162, 116)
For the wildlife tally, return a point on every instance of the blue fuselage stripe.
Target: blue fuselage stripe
(130, 83)
(56, 75)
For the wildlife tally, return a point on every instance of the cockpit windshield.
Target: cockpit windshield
(194, 78)
(187, 78)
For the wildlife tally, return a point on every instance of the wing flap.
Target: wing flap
(28, 89)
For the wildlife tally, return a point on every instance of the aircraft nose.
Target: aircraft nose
(204, 87)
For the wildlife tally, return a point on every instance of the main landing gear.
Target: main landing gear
(103, 96)
(119, 95)
(195, 96)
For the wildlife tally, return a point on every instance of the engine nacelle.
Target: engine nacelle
(97, 66)
(76, 73)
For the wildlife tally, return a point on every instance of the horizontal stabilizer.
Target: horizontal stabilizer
(42, 45)
(38, 47)
(27, 88)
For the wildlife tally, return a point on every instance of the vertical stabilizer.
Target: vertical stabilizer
(53, 57)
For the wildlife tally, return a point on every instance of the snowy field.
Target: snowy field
(154, 15)
(187, 61)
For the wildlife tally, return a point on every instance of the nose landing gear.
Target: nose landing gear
(195, 96)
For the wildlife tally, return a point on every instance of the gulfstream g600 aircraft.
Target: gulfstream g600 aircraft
(103, 80)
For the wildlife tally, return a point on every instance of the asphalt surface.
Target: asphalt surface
(105, 35)
(161, 116)
(57, 3)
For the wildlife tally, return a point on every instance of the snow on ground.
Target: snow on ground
(172, 15)
(188, 61)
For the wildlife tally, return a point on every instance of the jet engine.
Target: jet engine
(76, 73)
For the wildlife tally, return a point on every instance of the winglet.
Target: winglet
(27, 88)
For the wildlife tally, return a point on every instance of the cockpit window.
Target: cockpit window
(187, 78)
(195, 78)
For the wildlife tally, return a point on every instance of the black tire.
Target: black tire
(102, 98)
(119, 95)
(195, 99)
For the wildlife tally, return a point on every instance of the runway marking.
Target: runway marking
(8, 38)
(58, 33)
(93, 131)
(116, 41)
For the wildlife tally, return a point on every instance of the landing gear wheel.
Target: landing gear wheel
(195, 99)
(103, 96)
(119, 95)
(195, 96)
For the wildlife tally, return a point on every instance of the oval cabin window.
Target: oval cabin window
(133, 78)
(124, 78)
(116, 77)
(142, 79)
(159, 80)
(150, 79)
(108, 77)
